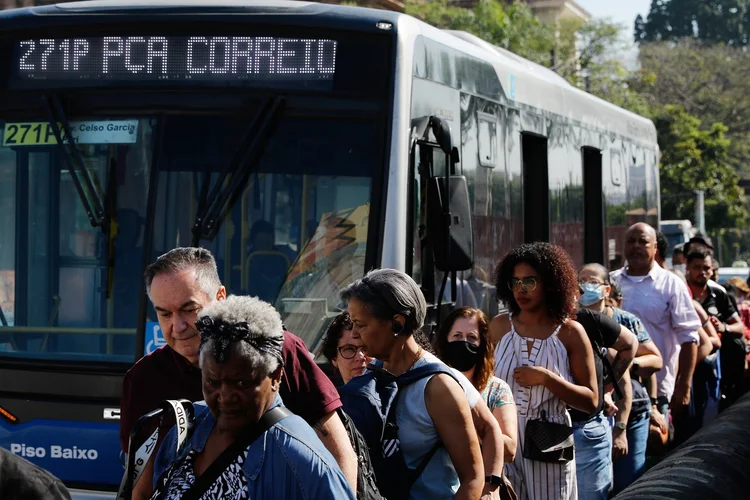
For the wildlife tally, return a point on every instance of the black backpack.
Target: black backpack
(367, 485)
(370, 401)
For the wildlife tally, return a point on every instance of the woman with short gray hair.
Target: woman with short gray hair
(245, 444)
(387, 309)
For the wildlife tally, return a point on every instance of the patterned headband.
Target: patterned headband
(225, 334)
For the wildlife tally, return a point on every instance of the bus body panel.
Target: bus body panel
(75, 452)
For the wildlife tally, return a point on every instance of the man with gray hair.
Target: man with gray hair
(180, 284)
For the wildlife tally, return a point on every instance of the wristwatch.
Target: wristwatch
(494, 480)
(621, 425)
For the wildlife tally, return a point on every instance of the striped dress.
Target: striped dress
(534, 480)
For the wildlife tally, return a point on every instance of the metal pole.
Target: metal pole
(700, 214)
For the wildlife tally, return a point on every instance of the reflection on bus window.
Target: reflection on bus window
(70, 290)
(297, 232)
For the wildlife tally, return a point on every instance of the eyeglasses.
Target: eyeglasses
(528, 284)
(582, 284)
(348, 351)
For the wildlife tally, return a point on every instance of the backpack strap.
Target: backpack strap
(405, 380)
(608, 366)
(424, 371)
(423, 465)
(138, 457)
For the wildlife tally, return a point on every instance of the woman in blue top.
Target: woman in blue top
(387, 309)
(241, 363)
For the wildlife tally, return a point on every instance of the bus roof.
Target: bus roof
(540, 87)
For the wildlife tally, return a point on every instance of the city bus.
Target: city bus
(303, 144)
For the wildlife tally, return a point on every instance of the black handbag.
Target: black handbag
(546, 441)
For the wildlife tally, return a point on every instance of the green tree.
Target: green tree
(697, 159)
(724, 21)
(513, 27)
(709, 82)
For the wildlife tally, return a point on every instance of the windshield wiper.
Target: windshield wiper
(76, 166)
(209, 217)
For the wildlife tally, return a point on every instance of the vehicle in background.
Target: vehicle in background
(725, 273)
(677, 232)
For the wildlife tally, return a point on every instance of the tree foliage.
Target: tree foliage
(694, 158)
(711, 82)
(725, 21)
(513, 27)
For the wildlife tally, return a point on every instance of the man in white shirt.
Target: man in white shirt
(662, 302)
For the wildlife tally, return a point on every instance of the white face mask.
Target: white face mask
(680, 267)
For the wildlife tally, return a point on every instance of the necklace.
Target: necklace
(416, 358)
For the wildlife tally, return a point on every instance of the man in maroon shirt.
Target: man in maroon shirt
(181, 283)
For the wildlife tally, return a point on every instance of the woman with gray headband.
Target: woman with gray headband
(245, 444)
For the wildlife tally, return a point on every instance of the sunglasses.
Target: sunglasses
(528, 284)
(348, 351)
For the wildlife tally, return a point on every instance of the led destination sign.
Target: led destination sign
(241, 59)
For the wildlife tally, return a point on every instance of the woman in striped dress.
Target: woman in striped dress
(545, 357)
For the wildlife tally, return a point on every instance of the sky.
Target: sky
(620, 11)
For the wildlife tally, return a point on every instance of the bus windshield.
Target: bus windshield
(293, 234)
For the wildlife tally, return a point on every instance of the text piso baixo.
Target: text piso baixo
(54, 451)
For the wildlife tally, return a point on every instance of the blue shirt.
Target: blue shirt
(418, 435)
(632, 323)
(288, 461)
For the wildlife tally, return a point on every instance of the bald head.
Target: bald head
(640, 249)
(642, 227)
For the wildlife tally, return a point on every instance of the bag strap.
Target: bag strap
(137, 459)
(423, 371)
(405, 380)
(412, 376)
(212, 473)
(423, 465)
(608, 366)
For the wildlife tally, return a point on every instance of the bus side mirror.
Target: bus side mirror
(442, 132)
(449, 227)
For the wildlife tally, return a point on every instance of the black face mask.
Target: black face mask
(461, 355)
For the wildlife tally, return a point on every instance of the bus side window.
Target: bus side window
(535, 187)
(593, 205)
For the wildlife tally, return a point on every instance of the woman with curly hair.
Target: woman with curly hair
(548, 361)
(463, 343)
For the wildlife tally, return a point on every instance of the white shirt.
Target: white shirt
(661, 300)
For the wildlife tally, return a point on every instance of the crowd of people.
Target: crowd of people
(587, 378)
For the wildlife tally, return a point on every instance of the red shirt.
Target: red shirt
(164, 374)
